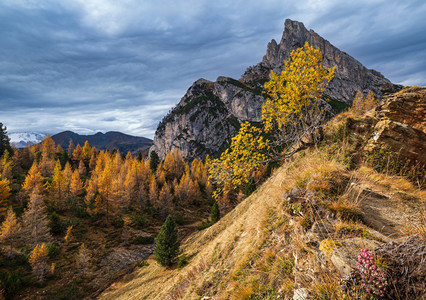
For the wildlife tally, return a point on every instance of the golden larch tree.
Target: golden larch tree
(165, 201)
(83, 259)
(76, 185)
(33, 180)
(59, 187)
(48, 153)
(10, 229)
(86, 152)
(6, 166)
(4, 196)
(174, 164)
(77, 153)
(35, 221)
(38, 261)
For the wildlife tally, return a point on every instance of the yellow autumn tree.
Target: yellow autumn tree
(6, 166)
(77, 153)
(10, 229)
(362, 104)
(86, 152)
(38, 261)
(292, 117)
(59, 186)
(247, 153)
(76, 185)
(174, 164)
(48, 153)
(33, 180)
(4, 195)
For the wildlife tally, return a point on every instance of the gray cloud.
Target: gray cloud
(92, 65)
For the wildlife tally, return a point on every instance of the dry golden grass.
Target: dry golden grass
(393, 182)
(223, 249)
(254, 245)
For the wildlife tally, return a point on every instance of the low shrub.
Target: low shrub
(182, 262)
(143, 240)
(53, 250)
(373, 278)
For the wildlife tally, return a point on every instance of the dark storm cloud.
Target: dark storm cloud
(102, 65)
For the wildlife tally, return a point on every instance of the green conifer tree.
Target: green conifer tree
(167, 248)
(4, 141)
(215, 213)
(154, 160)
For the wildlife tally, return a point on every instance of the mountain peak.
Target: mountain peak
(210, 113)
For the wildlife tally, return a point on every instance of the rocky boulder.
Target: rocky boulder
(400, 129)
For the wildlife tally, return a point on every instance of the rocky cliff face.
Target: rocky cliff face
(210, 112)
(206, 117)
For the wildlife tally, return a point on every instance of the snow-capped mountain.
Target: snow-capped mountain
(22, 139)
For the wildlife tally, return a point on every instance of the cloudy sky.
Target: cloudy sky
(101, 65)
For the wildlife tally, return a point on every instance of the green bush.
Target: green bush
(53, 249)
(118, 221)
(55, 224)
(143, 240)
(11, 283)
(142, 263)
(204, 226)
(139, 221)
(182, 262)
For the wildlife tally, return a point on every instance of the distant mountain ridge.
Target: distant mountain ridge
(105, 141)
(23, 139)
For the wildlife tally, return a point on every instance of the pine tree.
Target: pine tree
(154, 160)
(4, 140)
(10, 229)
(55, 224)
(167, 248)
(35, 221)
(38, 260)
(215, 213)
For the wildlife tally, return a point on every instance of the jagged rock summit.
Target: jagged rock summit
(210, 113)
(350, 75)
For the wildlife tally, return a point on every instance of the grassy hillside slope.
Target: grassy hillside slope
(300, 233)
